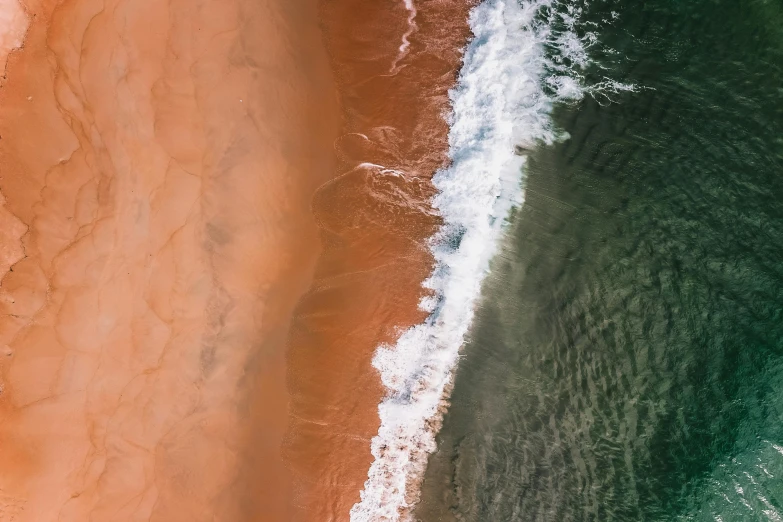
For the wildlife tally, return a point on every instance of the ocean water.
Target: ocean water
(625, 361)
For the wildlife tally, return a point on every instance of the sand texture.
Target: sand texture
(157, 165)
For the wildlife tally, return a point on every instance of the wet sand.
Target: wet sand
(157, 166)
(375, 219)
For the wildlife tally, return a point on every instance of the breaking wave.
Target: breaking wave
(525, 56)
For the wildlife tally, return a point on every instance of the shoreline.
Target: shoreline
(162, 188)
(394, 71)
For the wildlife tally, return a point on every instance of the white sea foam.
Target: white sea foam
(406, 44)
(501, 110)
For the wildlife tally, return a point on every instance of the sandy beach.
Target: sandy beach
(213, 215)
(157, 166)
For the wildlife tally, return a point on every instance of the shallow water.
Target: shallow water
(626, 362)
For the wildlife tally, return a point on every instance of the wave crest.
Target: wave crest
(525, 56)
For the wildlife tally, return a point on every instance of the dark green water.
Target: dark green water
(626, 363)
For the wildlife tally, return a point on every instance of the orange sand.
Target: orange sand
(374, 225)
(157, 163)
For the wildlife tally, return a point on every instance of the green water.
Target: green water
(626, 362)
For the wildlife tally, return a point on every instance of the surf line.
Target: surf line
(499, 112)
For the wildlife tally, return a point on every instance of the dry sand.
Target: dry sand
(157, 165)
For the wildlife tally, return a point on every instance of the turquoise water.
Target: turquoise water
(626, 362)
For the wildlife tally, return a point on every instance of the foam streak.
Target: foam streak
(406, 44)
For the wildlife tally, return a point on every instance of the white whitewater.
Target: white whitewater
(501, 109)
